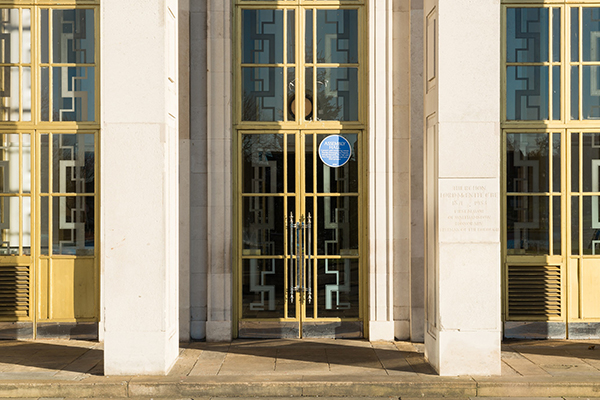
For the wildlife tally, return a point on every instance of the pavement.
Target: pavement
(327, 369)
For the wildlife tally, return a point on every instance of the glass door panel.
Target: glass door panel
(299, 219)
(300, 224)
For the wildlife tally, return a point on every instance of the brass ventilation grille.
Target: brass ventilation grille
(14, 291)
(534, 291)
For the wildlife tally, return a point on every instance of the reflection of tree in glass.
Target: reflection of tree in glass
(328, 107)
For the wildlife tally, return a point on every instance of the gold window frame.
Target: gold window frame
(44, 306)
(568, 264)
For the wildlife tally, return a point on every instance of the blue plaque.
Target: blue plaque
(335, 151)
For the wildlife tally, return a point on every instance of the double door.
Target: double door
(300, 231)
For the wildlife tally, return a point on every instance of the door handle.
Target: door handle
(300, 258)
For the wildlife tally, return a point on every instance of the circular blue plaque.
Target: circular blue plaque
(335, 151)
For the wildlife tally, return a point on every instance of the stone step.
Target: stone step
(277, 387)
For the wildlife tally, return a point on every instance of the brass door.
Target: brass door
(305, 282)
(300, 264)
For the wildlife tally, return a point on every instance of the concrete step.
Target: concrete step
(300, 386)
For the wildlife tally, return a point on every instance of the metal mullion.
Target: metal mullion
(285, 59)
(550, 72)
(81, 195)
(550, 197)
(580, 192)
(299, 45)
(49, 194)
(50, 70)
(530, 64)
(580, 66)
(529, 194)
(20, 64)
(20, 194)
(245, 65)
(315, 211)
(287, 256)
(565, 37)
(314, 69)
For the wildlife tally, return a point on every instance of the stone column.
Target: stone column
(139, 187)
(380, 172)
(184, 171)
(462, 142)
(402, 168)
(219, 170)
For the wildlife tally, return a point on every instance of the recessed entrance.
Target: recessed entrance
(300, 231)
(300, 265)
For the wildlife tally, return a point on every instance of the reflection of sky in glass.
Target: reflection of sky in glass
(337, 94)
(527, 34)
(262, 94)
(527, 93)
(337, 36)
(591, 34)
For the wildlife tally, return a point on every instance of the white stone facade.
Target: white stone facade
(170, 277)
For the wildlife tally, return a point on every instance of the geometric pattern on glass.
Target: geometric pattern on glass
(73, 93)
(337, 36)
(73, 36)
(527, 220)
(527, 35)
(73, 225)
(263, 288)
(73, 159)
(262, 36)
(591, 34)
(9, 225)
(527, 163)
(264, 229)
(591, 92)
(9, 36)
(263, 163)
(262, 94)
(337, 288)
(15, 49)
(527, 93)
(337, 218)
(9, 163)
(337, 94)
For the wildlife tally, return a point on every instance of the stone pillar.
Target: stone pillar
(184, 171)
(402, 168)
(462, 109)
(139, 196)
(380, 171)
(219, 170)
(198, 170)
(417, 234)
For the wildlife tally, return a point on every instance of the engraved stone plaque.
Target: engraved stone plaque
(469, 210)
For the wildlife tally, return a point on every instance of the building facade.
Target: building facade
(381, 169)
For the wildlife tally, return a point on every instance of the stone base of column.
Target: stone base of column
(219, 331)
(454, 353)
(140, 353)
(381, 330)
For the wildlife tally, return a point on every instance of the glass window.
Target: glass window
(69, 89)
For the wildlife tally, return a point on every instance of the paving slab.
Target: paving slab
(335, 369)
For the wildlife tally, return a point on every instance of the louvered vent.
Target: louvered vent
(534, 291)
(14, 291)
